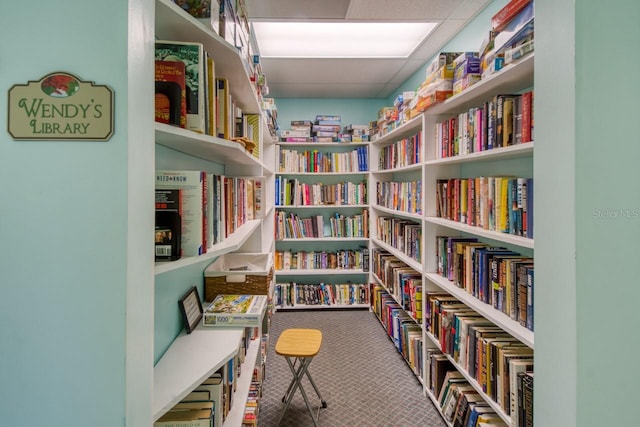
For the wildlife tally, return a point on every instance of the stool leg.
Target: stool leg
(306, 363)
(324, 403)
(295, 374)
(298, 374)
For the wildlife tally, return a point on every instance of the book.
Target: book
(223, 108)
(192, 55)
(168, 225)
(235, 310)
(170, 93)
(185, 418)
(500, 20)
(215, 386)
(191, 185)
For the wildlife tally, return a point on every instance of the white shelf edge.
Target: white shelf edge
(320, 306)
(414, 216)
(416, 265)
(236, 414)
(206, 147)
(323, 173)
(414, 124)
(494, 405)
(518, 150)
(436, 403)
(321, 144)
(190, 360)
(505, 322)
(321, 271)
(320, 206)
(494, 235)
(325, 239)
(230, 244)
(408, 168)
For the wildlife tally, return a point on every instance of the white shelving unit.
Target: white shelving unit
(516, 159)
(316, 276)
(191, 358)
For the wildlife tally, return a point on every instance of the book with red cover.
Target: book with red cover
(170, 102)
(507, 13)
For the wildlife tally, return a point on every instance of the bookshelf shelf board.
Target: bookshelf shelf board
(321, 272)
(285, 207)
(413, 126)
(408, 168)
(494, 235)
(236, 414)
(414, 216)
(188, 362)
(267, 138)
(514, 151)
(173, 23)
(230, 244)
(512, 78)
(322, 306)
(494, 405)
(206, 147)
(505, 322)
(326, 239)
(322, 144)
(416, 265)
(322, 173)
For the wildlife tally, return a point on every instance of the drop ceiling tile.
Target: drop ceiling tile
(412, 10)
(310, 90)
(297, 9)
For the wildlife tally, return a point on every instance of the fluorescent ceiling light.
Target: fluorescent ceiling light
(340, 39)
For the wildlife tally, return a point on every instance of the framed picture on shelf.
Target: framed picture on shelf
(191, 309)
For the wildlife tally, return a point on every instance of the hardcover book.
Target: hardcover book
(192, 55)
(235, 310)
(170, 99)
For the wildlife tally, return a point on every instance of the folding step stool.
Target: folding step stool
(301, 345)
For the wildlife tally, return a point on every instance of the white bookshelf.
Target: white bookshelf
(183, 367)
(321, 272)
(236, 413)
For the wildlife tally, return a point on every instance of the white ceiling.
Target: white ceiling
(357, 78)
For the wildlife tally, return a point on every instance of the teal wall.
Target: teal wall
(353, 111)
(64, 222)
(607, 213)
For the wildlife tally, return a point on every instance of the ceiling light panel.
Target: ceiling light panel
(340, 39)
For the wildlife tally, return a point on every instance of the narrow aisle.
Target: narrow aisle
(358, 371)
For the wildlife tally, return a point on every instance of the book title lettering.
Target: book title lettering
(60, 106)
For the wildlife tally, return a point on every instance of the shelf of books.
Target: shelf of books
(478, 235)
(211, 192)
(174, 23)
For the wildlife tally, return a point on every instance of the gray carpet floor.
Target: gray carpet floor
(358, 371)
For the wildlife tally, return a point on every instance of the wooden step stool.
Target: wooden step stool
(301, 346)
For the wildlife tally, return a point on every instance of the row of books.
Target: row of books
(326, 294)
(400, 196)
(505, 120)
(294, 161)
(496, 203)
(195, 210)
(484, 351)
(495, 275)
(402, 329)
(290, 225)
(293, 192)
(346, 259)
(402, 282)
(405, 152)
(252, 405)
(191, 96)
(404, 235)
